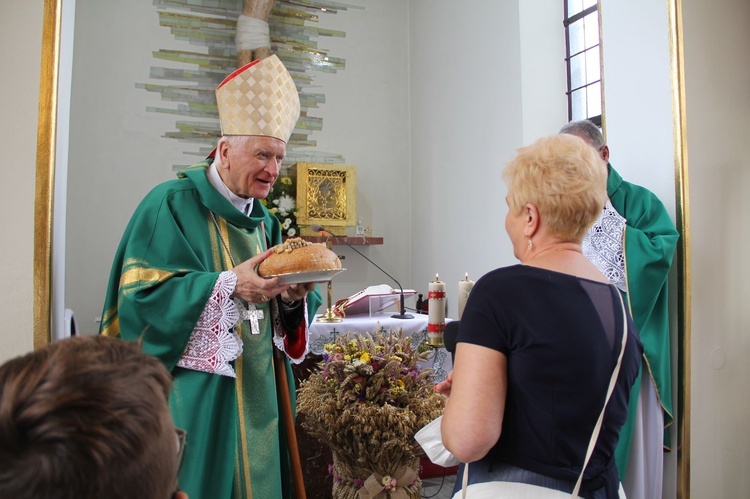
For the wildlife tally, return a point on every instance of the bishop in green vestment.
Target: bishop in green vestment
(649, 243)
(183, 283)
(637, 243)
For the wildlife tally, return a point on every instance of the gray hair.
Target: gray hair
(587, 130)
(233, 140)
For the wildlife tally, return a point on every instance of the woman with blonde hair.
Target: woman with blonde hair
(538, 342)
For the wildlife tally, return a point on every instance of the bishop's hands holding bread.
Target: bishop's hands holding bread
(258, 277)
(256, 289)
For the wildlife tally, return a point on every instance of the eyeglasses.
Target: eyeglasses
(181, 442)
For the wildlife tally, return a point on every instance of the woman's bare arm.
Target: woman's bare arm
(473, 416)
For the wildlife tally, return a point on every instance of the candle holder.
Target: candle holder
(435, 339)
(329, 316)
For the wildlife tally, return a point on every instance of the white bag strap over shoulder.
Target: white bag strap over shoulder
(598, 427)
(612, 383)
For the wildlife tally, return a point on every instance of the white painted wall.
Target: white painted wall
(466, 122)
(366, 119)
(637, 100)
(717, 37)
(116, 151)
(543, 74)
(638, 114)
(62, 322)
(477, 68)
(20, 55)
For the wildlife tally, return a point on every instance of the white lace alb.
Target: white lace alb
(213, 343)
(603, 245)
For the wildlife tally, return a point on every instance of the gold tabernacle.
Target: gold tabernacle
(326, 195)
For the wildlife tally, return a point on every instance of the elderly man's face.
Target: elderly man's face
(250, 166)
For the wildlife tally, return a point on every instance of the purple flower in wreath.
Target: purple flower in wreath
(358, 483)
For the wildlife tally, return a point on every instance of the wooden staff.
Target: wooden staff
(298, 482)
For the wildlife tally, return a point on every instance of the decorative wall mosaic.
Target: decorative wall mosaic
(207, 28)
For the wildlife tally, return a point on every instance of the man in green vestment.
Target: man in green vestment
(184, 282)
(633, 243)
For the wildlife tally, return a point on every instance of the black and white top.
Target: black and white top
(562, 336)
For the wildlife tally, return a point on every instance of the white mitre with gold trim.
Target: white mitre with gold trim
(259, 98)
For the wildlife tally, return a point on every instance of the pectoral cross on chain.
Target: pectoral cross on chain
(251, 314)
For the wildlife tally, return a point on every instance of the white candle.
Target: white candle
(436, 312)
(464, 287)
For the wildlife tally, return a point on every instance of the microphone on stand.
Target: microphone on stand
(403, 314)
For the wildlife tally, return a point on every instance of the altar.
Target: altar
(322, 333)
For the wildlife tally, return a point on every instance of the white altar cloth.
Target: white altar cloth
(322, 333)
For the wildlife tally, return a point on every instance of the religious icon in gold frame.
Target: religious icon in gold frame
(326, 195)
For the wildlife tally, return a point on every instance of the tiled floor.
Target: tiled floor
(438, 488)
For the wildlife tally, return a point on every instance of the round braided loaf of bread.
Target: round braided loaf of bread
(297, 255)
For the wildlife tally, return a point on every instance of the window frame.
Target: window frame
(567, 21)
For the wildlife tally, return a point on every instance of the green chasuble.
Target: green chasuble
(164, 272)
(649, 243)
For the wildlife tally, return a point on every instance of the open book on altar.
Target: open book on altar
(370, 300)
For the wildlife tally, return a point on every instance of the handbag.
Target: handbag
(498, 489)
